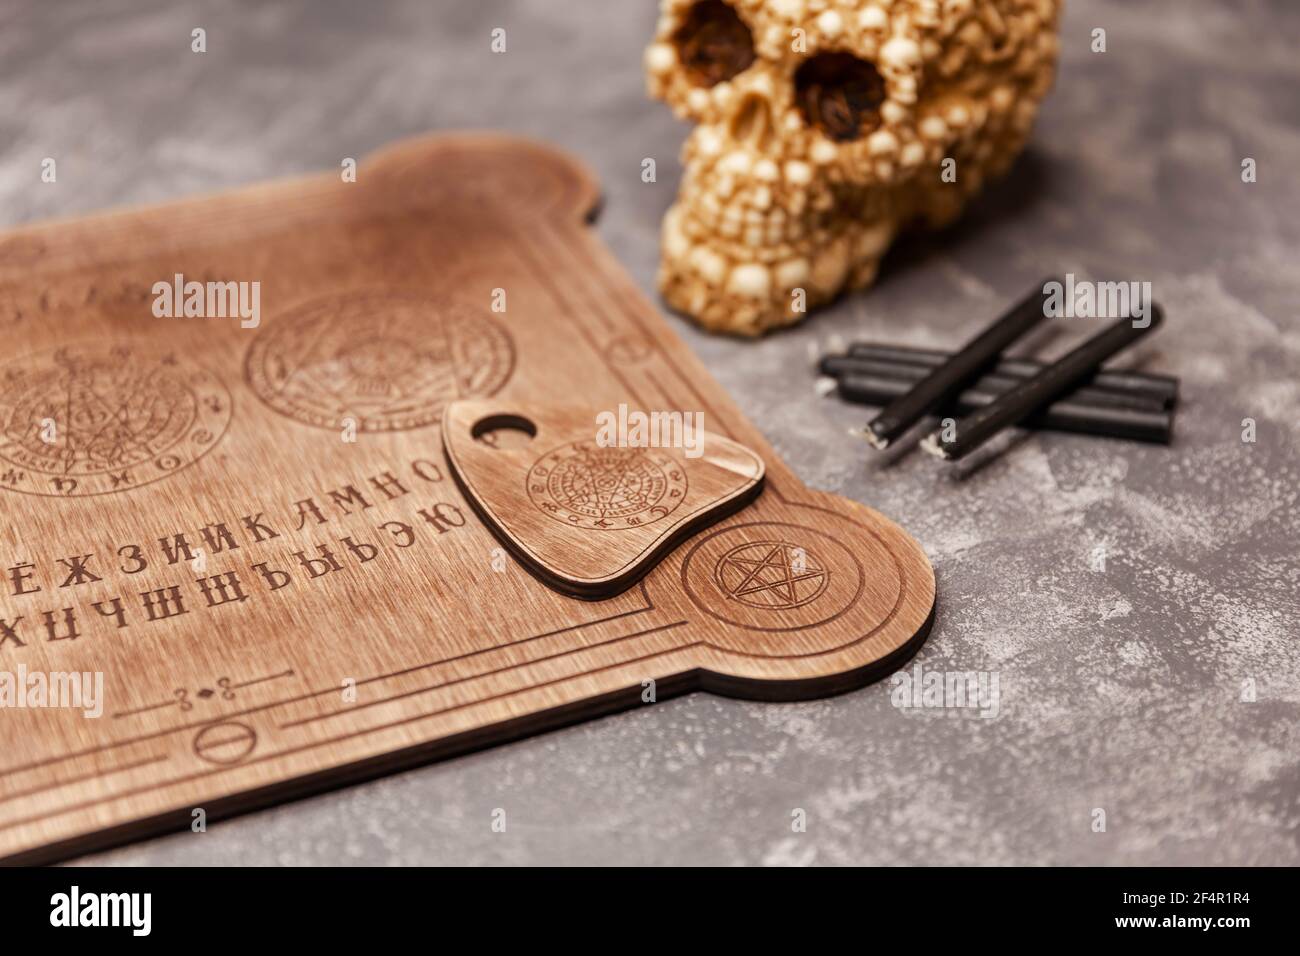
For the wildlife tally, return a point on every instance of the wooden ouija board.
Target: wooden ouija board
(254, 538)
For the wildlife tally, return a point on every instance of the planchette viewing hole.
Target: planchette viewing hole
(504, 431)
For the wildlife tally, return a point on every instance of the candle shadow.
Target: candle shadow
(986, 454)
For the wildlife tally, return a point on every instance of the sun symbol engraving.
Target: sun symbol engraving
(588, 486)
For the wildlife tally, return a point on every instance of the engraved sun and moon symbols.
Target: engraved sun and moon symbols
(88, 420)
(589, 486)
(772, 576)
(383, 362)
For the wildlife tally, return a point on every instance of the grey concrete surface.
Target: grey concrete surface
(1121, 688)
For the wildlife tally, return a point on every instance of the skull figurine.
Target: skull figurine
(825, 127)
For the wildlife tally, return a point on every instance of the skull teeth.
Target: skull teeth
(751, 217)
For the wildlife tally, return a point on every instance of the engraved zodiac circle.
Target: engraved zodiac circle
(585, 485)
(89, 420)
(383, 362)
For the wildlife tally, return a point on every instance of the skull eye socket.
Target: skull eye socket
(839, 95)
(713, 43)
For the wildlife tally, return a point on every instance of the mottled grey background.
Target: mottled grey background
(1120, 689)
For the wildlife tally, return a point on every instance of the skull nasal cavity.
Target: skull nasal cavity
(713, 43)
(839, 95)
(751, 122)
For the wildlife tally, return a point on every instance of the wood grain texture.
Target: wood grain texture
(590, 518)
(275, 608)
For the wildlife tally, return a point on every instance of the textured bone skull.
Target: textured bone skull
(825, 127)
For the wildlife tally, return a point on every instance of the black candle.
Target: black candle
(1067, 414)
(1037, 393)
(957, 371)
(1161, 388)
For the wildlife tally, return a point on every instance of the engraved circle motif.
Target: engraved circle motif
(772, 576)
(589, 486)
(225, 743)
(87, 420)
(629, 350)
(383, 362)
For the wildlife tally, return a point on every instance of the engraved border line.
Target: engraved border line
(339, 739)
(329, 690)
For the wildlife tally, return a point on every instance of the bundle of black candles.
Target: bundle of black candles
(992, 393)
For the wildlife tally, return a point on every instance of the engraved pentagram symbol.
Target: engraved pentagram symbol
(382, 361)
(89, 420)
(771, 574)
(606, 489)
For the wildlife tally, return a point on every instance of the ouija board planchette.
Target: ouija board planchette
(590, 515)
(254, 535)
